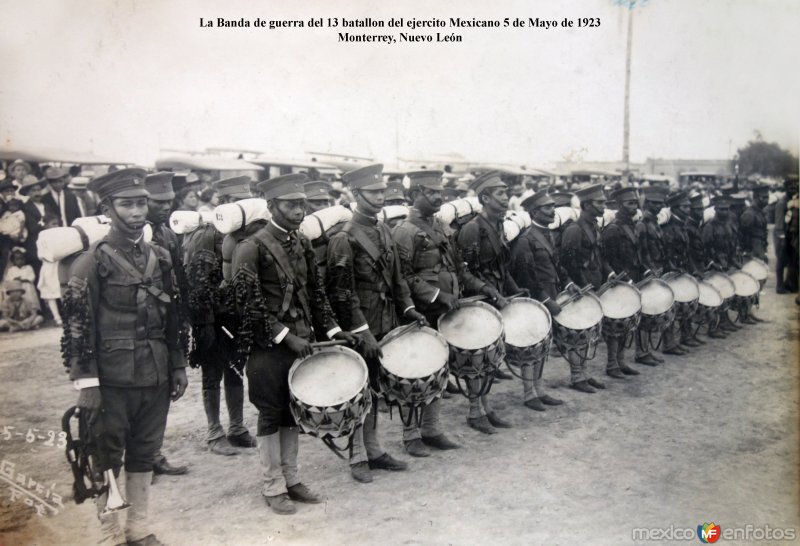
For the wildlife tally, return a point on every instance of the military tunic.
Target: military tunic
(676, 243)
(486, 252)
(620, 247)
(696, 247)
(534, 263)
(719, 243)
(581, 252)
(753, 232)
(651, 242)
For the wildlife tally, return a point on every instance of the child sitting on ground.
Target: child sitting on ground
(15, 313)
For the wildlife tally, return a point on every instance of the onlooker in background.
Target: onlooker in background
(209, 199)
(49, 285)
(186, 199)
(15, 313)
(782, 247)
(19, 270)
(61, 202)
(19, 169)
(10, 216)
(35, 211)
(87, 203)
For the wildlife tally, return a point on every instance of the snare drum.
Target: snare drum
(709, 303)
(578, 325)
(658, 309)
(528, 327)
(475, 334)
(622, 306)
(687, 293)
(745, 287)
(329, 392)
(758, 269)
(724, 286)
(413, 368)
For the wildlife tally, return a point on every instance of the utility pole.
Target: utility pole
(626, 129)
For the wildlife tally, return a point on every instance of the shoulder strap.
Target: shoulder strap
(440, 240)
(372, 251)
(274, 247)
(142, 278)
(536, 234)
(493, 236)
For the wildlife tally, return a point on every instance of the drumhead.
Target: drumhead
(526, 322)
(757, 269)
(415, 354)
(723, 284)
(620, 301)
(331, 376)
(709, 296)
(474, 326)
(744, 285)
(580, 314)
(657, 297)
(684, 287)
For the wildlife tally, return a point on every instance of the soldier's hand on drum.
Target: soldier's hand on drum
(371, 350)
(89, 401)
(449, 300)
(298, 345)
(494, 296)
(179, 383)
(413, 314)
(351, 339)
(552, 306)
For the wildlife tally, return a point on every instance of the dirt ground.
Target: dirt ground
(708, 437)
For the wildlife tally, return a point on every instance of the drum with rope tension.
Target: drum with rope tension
(622, 307)
(708, 304)
(476, 337)
(577, 327)
(758, 269)
(528, 329)
(687, 293)
(329, 393)
(745, 289)
(658, 309)
(413, 370)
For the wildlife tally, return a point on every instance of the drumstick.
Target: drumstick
(397, 333)
(471, 299)
(321, 344)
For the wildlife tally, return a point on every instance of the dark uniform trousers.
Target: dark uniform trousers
(676, 246)
(653, 258)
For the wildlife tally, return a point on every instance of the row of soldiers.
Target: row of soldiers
(255, 300)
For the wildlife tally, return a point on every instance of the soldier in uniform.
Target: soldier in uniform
(651, 254)
(621, 253)
(720, 247)
(560, 199)
(485, 249)
(436, 276)
(582, 259)
(534, 266)
(319, 196)
(368, 294)
(159, 203)
(213, 324)
(694, 223)
(121, 344)
(395, 194)
(753, 225)
(281, 305)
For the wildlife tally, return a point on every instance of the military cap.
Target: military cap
(237, 187)
(21, 163)
(758, 188)
(318, 190)
(7, 184)
(395, 191)
(790, 180)
(739, 199)
(122, 183)
(55, 173)
(538, 199)
(678, 198)
(365, 178)
(657, 194)
(562, 198)
(487, 180)
(721, 200)
(727, 189)
(159, 186)
(288, 186)
(696, 200)
(431, 180)
(14, 286)
(29, 182)
(595, 191)
(624, 194)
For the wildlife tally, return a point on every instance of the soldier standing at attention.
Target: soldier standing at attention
(753, 225)
(621, 253)
(436, 276)
(368, 294)
(720, 246)
(159, 204)
(534, 266)
(582, 259)
(121, 345)
(485, 249)
(280, 300)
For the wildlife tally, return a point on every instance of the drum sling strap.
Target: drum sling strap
(285, 272)
(378, 262)
(144, 281)
(498, 246)
(442, 244)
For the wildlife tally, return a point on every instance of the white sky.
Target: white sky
(126, 78)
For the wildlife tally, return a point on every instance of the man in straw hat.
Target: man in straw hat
(121, 345)
(534, 265)
(485, 249)
(369, 295)
(280, 299)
